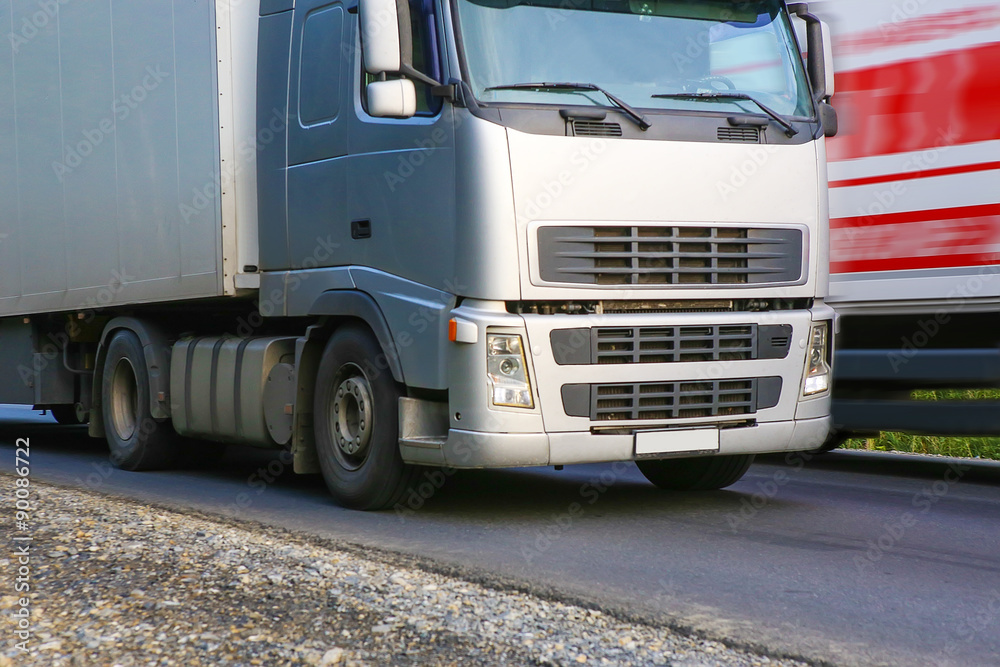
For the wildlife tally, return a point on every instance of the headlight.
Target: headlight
(817, 378)
(507, 371)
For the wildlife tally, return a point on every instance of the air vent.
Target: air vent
(596, 128)
(657, 345)
(654, 345)
(748, 135)
(672, 400)
(685, 256)
(694, 399)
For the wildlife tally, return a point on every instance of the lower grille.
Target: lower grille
(671, 400)
(661, 345)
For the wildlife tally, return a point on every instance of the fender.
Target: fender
(156, 346)
(359, 305)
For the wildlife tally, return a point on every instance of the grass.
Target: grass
(985, 448)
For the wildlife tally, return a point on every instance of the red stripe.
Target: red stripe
(909, 175)
(956, 213)
(942, 100)
(920, 29)
(907, 263)
(939, 238)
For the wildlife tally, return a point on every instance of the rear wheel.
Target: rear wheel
(136, 440)
(702, 473)
(357, 424)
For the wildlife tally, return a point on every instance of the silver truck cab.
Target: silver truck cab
(597, 231)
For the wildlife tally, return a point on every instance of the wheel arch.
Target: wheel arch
(156, 345)
(356, 305)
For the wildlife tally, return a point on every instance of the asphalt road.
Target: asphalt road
(847, 559)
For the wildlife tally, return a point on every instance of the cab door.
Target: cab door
(318, 133)
(401, 180)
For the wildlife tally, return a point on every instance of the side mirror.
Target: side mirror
(827, 59)
(396, 98)
(828, 117)
(387, 48)
(386, 42)
(820, 48)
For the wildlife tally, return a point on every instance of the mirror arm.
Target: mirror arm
(409, 71)
(450, 91)
(446, 91)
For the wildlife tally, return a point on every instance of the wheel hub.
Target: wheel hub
(352, 416)
(124, 400)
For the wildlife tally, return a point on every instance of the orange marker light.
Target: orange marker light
(453, 330)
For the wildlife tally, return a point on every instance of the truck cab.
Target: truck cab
(596, 231)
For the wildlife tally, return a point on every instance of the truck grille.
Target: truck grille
(662, 345)
(676, 255)
(670, 400)
(655, 345)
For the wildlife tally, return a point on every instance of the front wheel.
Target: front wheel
(357, 424)
(702, 473)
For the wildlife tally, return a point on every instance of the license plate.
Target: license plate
(676, 442)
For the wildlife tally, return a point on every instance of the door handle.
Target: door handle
(361, 229)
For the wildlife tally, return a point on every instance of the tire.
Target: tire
(356, 424)
(136, 440)
(65, 415)
(702, 473)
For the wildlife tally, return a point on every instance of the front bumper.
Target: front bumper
(476, 449)
(552, 432)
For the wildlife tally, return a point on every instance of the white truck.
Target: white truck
(915, 213)
(386, 234)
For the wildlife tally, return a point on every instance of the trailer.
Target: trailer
(385, 235)
(915, 213)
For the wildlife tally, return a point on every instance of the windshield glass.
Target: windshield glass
(635, 49)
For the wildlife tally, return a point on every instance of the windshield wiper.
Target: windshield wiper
(639, 119)
(778, 118)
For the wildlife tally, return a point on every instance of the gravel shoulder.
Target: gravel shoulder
(116, 582)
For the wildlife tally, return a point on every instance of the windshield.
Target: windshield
(635, 49)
